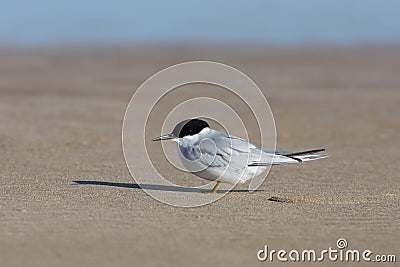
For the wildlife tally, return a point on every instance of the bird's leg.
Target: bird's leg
(215, 189)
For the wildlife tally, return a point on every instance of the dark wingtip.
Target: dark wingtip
(312, 151)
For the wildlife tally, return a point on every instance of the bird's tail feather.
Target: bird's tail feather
(302, 156)
(306, 152)
(293, 157)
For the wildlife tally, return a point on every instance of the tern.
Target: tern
(216, 156)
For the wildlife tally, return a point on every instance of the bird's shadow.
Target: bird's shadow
(155, 187)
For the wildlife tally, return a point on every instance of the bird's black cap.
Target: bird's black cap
(189, 127)
(184, 128)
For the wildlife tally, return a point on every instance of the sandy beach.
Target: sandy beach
(67, 198)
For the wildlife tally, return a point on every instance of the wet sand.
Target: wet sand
(66, 196)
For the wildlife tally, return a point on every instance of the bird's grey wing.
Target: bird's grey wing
(221, 150)
(211, 155)
(239, 153)
(246, 154)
